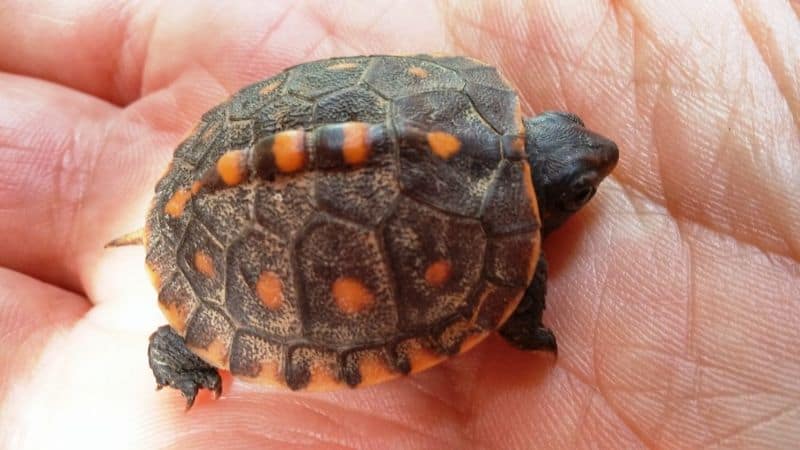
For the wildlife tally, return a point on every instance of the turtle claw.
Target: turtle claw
(190, 397)
(218, 391)
(176, 366)
(545, 340)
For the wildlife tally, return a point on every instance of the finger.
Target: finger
(77, 171)
(94, 46)
(31, 313)
(120, 51)
(256, 39)
(49, 143)
(103, 177)
(702, 142)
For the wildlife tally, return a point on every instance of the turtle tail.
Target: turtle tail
(132, 238)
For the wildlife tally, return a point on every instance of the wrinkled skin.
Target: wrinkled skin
(675, 294)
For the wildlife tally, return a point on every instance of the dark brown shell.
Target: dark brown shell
(349, 277)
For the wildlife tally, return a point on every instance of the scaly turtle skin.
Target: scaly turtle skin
(355, 219)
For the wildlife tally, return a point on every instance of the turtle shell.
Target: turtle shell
(329, 278)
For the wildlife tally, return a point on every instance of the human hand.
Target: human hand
(675, 294)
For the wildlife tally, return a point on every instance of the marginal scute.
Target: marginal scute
(393, 77)
(457, 63)
(209, 137)
(314, 79)
(209, 334)
(177, 301)
(312, 369)
(418, 354)
(367, 367)
(471, 340)
(494, 304)
(257, 358)
(509, 259)
(510, 207)
(453, 336)
(201, 258)
(249, 99)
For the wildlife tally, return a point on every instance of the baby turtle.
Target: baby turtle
(354, 219)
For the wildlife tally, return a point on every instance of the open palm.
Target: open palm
(675, 295)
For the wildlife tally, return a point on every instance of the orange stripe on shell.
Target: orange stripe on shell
(288, 148)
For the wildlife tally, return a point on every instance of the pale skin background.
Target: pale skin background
(675, 295)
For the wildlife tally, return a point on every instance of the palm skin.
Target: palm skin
(675, 294)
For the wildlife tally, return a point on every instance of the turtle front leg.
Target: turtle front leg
(524, 329)
(176, 366)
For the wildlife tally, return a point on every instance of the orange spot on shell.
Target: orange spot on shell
(444, 145)
(289, 151)
(232, 167)
(177, 203)
(270, 290)
(351, 295)
(196, 186)
(322, 379)
(268, 89)
(418, 72)
(374, 370)
(438, 273)
(342, 66)
(355, 145)
(204, 264)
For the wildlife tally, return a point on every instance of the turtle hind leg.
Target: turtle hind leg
(524, 329)
(176, 366)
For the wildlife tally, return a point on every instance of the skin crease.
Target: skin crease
(674, 294)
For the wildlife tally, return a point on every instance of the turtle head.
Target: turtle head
(568, 162)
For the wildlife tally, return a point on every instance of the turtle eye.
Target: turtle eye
(580, 198)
